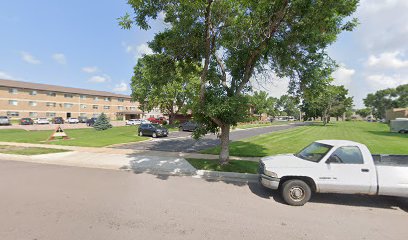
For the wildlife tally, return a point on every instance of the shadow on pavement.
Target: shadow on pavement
(384, 202)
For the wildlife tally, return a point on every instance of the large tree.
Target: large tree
(288, 105)
(385, 99)
(237, 39)
(160, 81)
(262, 103)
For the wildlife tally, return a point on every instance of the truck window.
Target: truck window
(346, 155)
(314, 152)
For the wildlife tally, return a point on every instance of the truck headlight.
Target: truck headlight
(271, 174)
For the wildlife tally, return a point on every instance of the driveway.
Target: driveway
(183, 142)
(47, 202)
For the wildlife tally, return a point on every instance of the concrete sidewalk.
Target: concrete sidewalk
(107, 150)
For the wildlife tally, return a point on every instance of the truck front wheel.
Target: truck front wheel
(296, 192)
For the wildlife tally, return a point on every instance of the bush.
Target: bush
(102, 123)
(164, 122)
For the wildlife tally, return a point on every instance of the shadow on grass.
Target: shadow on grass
(383, 202)
(389, 134)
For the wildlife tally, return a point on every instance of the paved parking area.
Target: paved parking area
(183, 142)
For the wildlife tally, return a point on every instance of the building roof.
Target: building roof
(55, 88)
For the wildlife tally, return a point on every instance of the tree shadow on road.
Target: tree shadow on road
(384, 202)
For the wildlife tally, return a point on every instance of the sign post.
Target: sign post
(58, 132)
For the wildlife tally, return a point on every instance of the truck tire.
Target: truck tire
(296, 192)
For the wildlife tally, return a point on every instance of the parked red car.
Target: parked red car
(158, 120)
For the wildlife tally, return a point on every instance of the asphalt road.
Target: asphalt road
(183, 142)
(47, 202)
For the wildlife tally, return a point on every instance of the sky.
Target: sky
(79, 44)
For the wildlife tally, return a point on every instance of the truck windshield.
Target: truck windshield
(314, 152)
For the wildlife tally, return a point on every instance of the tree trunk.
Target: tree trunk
(224, 154)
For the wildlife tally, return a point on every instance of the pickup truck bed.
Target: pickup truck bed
(391, 160)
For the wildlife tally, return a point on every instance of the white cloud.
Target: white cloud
(387, 60)
(90, 69)
(59, 58)
(381, 81)
(4, 75)
(27, 57)
(343, 76)
(121, 87)
(138, 50)
(99, 78)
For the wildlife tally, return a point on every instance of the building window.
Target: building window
(132, 108)
(13, 90)
(83, 106)
(94, 106)
(68, 105)
(51, 104)
(33, 114)
(13, 114)
(13, 102)
(32, 103)
(68, 95)
(50, 114)
(121, 100)
(95, 115)
(96, 98)
(106, 107)
(107, 99)
(33, 93)
(82, 96)
(51, 94)
(82, 114)
(120, 108)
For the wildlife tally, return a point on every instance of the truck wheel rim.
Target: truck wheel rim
(297, 193)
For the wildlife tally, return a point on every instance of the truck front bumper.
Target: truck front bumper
(269, 182)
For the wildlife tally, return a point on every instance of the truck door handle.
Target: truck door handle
(365, 170)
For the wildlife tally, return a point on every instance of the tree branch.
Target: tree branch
(272, 28)
(203, 77)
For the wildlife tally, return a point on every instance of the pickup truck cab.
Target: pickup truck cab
(334, 166)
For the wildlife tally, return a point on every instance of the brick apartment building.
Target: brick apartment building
(23, 99)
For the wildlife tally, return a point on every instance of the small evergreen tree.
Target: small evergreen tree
(102, 123)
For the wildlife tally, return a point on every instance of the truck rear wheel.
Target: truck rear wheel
(296, 192)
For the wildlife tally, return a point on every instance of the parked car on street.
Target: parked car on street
(188, 126)
(152, 129)
(82, 119)
(41, 121)
(133, 122)
(72, 120)
(58, 120)
(4, 120)
(26, 121)
(90, 122)
(334, 166)
(158, 120)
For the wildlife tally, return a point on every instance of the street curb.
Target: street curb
(226, 176)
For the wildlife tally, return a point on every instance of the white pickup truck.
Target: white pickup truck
(334, 166)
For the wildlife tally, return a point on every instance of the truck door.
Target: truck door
(346, 172)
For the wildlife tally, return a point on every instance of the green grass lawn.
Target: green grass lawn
(87, 137)
(254, 125)
(28, 150)
(376, 136)
(232, 166)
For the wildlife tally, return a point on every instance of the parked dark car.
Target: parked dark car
(4, 120)
(154, 130)
(58, 120)
(188, 126)
(82, 119)
(90, 122)
(26, 121)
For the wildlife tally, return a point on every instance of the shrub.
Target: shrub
(102, 123)
(164, 122)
